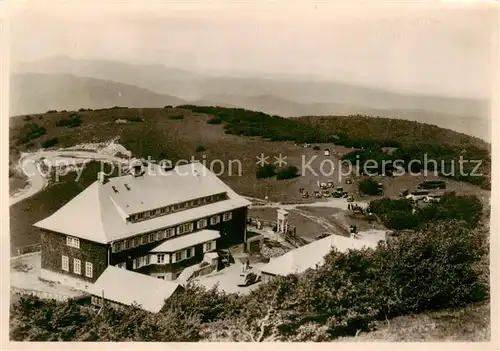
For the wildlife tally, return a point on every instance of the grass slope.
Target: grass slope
(471, 323)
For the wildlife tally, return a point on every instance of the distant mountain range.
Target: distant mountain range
(64, 83)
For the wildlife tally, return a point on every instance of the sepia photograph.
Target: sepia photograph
(248, 171)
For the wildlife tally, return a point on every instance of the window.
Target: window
(151, 237)
(214, 220)
(163, 210)
(96, 301)
(190, 252)
(152, 213)
(135, 263)
(192, 204)
(176, 207)
(73, 242)
(185, 228)
(157, 211)
(128, 243)
(88, 269)
(160, 235)
(160, 258)
(140, 215)
(144, 239)
(227, 216)
(182, 205)
(198, 202)
(137, 241)
(77, 266)
(117, 247)
(178, 256)
(202, 223)
(146, 260)
(209, 246)
(169, 232)
(65, 263)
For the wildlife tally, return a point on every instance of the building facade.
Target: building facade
(155, 223)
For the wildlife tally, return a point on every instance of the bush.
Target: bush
(214, 120)
(266, 171)
(399, 220)
(168, 106)
(134, 119)
(176, 117)
(27, 118)
(369, 187)
(49, 143)
(287, 173)
(436, 267)
(72, 121)
(29, 132)
(466, 208)
(200, 148)
(316, 147)
(51, 111)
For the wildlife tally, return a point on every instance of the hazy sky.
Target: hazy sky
(447, 50)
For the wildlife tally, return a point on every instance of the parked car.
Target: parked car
(329, 184)
(248, 278)
(348, 181)
(350, 198)
(432, 184)
(403, 193)
(433, 198)
(417, 195)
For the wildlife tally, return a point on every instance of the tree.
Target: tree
(265, 171)
(369, 187)
(287, 172)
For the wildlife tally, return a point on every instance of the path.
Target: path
(30, 166)
(340, 203)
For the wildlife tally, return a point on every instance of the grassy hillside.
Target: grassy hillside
(471, 323)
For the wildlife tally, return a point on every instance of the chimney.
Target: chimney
(101, 178)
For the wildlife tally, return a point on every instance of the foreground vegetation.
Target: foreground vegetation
(443, 265)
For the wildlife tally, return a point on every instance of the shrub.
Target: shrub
(436, 267)
(134, 119)
(51, 111)
(316, 147)
(287, 172)
(27, 118)
(72, 121)
(266, 171)
(399, 220)
(29, 132)
(168, 106)
(49, 143)
(214, 120)
(467, 208)
(369, 187)
(200, 148)
(176, 117)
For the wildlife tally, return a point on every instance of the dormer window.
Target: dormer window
(73, 242)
